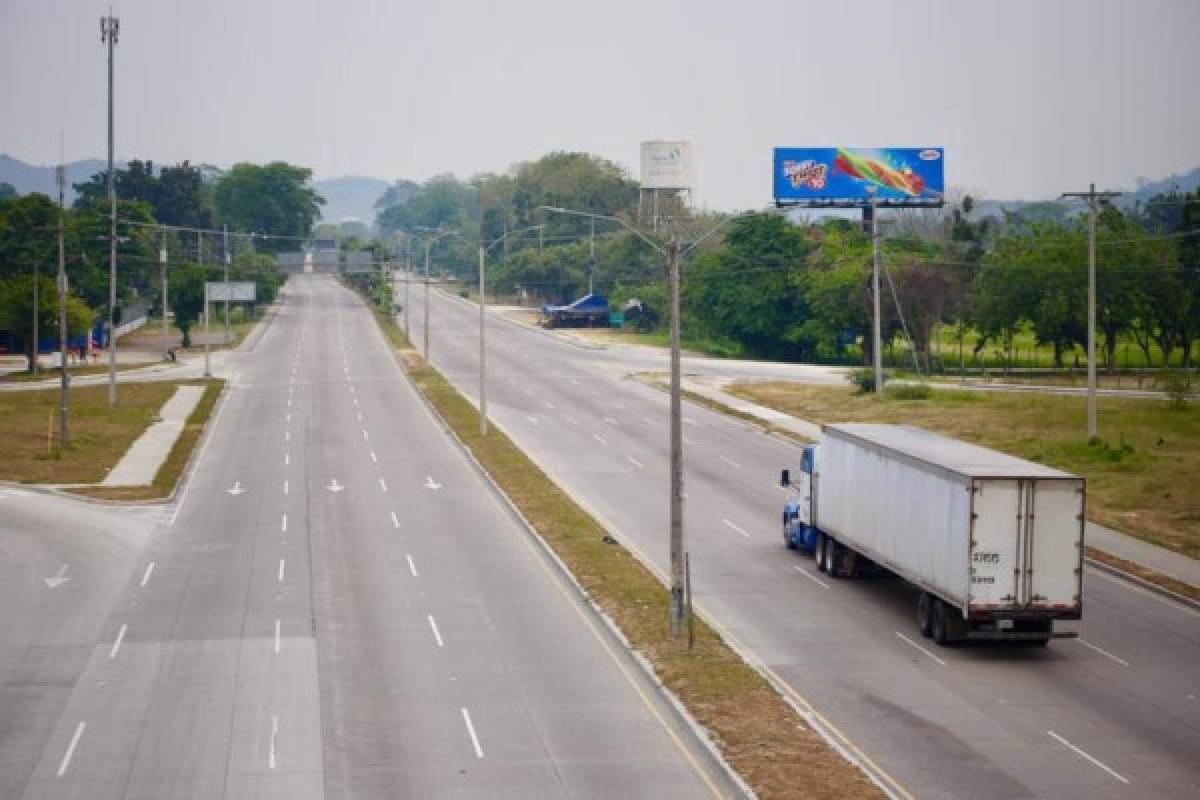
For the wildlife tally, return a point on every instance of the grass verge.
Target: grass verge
(100, 434)
(1140, 476)
(52, 373)
(168, 475)
(1146, 574)
(758, 733)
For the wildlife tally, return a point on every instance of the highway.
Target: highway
(1114, 713)
(336, 606)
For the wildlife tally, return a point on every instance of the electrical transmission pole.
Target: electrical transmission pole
(1093, 199)
(228, 338)
(109, 27)
(62, 312)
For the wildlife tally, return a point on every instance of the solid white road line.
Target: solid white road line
(811, 577)
(471, 730)
(1098, 763)
(66, 760)
(117, 643)
(731, 526)
(1102, 651)
(146, 574)
(382, 485)
(279, 579)
(922, 649)
(274, 735)
(411, 566)
(599, 438)
(436, 633)
(634, 461)
(731, 462)
(278, 627)
(395, 521)
(283, 523)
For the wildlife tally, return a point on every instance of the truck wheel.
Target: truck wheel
(833, 557)
(819, 553)
(925, 614)
(938, 621)
(787, 537)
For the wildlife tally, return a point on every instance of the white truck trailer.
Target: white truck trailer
(994, 542)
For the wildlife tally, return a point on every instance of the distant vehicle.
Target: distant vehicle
(589, 311)
(994, 542)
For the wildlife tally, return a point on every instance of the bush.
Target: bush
(864, 379)
(910, 391)
(1177, 383)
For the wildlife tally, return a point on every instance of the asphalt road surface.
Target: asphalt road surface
(337, 606)
(1114, 713)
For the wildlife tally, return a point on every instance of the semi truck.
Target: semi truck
(993, 543)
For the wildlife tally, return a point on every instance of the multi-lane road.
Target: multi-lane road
(336, 606)
(1114, 713)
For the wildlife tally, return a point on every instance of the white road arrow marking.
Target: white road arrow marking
(58, 579)
(430, 483)
(334, 486)
(237, 489)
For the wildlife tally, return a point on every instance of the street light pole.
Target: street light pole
(162, 264)
(228, 338)
(877, 325)
(109, 27)
(425, 332)
(64, 405)
(673, 252)
(483, 427)
(1093, 199)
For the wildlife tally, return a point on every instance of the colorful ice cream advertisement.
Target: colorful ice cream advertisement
(892, 175)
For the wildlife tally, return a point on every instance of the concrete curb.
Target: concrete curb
(1141, 582)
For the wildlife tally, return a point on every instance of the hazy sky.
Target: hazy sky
(1029, 98)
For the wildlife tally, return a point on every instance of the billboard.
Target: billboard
(667, 165)
(855, 176)
(234, 291)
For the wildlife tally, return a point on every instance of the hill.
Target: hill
(28, 178)
(350, 196)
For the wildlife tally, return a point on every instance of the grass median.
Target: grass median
(758, 733)
(1141, 474)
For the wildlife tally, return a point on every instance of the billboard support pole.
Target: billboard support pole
(876, 326)
(207, 363)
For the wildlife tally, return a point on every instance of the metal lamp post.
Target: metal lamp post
(109, 27)
(673, 252)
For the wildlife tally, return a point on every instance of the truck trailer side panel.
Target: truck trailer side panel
(910, 519)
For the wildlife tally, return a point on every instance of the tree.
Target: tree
(16, 311)
(7, 191)
(275, 199)
(187, 297)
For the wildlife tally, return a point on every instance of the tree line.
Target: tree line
(774, 287)
(273, 200)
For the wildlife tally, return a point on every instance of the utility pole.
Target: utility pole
(425, 333)
(109, 26)
(541, 238)
(1093, 199)
(162, 274)
(483, 427)
(408, 272)
(64, 404)
(207, 363)
(592, 259)
(877, 326)
(228, 338)
(677, 599)
(37, 303)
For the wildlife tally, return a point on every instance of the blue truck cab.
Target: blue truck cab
(798, 530)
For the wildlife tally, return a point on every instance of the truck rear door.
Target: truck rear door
(1054, 543)
(996, 527)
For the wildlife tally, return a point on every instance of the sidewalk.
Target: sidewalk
(146, 455)
(1159, 559)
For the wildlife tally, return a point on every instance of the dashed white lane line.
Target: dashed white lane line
(599, 438)
(279, 577)
(287, 436)
(731, 462)
(382, 485)
(1095, 761)
(278, 630)
(734, 527)
(611, 421)
(690, 421)
(571, 420)
(355, 399)
(117, 642)
(811, 577)
(550, 405)
(285, 487)
(146, 574)
(287, 459)
(922, 649)
(374, 460)
(689, 442)
(283, 523)
(274, 736)
(395, 520)
(1102, 651)
(647, 420)
(471, 730)
(365, 436)
(411, 566)
(437, 635)
(288, 418)
(360, 416)
(289, 402)
(634, 461)
(533, 420)
(66, 759)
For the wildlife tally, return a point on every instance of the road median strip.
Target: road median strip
(756, 730)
